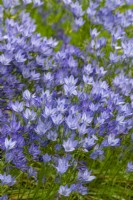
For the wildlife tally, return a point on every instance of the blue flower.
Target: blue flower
(52, 135)
(32, 172)
(34, 150)
(97, 153)
(85, 176)
(43, 126)
(88, 143)
(17, 106)
(81, 189)
(46, 158)
(67, 2)
(70, 145)
(27, 1)
(112, 141)
(9, 144)
(29, 114)
(27, 95)
(64, 190)
(72, 122)
(94, 33)
(57, 119)
(130, 167)
(7, 180)
(20, 58)
(79, 22)
(49, 111)
(5, 197)
(5, 59)
(62, 165)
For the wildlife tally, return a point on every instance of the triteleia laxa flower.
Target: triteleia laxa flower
(64, 190)
(130, 167)
(7, 180)
(62, 165)
(9, 144)
(70, 145)
(85, 176)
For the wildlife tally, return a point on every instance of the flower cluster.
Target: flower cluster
(58, 104)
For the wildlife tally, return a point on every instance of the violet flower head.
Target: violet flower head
(5, 59)
(85, 176)
(112, 141)
(20, 58)
(62, 165)
(9, 144)
(70, 85)
(27, 95)
(64, 190)
(81, 189)
(46, 158)
(72, 122)
(130, 167)
(7, 180)
(57, 119)
(5, 197)
(52, 135)
(70, 145)
(17, 106)
(29, 114)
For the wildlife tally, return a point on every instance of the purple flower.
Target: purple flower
(88, 143)
(46, 158)
(86, 118)
(77, 9)
(37, 3)
(14, 126)
(32, 172)
(20, 57)
(43, 126)
(97, 153)
(9, 144)
(85, 176)
(48, 111)
(35, 76)
(112, 141)
(34, 151)
(29, 114)
(27, 1)
(27, 95)
(114, 58)
(72, 122)
(62, 165)
(64, 190)
(94, 33)
(72, 64)
(5, 59)
(79, 22)
(130, 167)
(70, 89)
(82, 190)
(67, 2)
(57, 119)
(7, 180)
(82, 129)
(5, 197)
(69, 86)
(129, 2)
(70, 145)
(10, 3)
(52, 135)
(17, 106)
